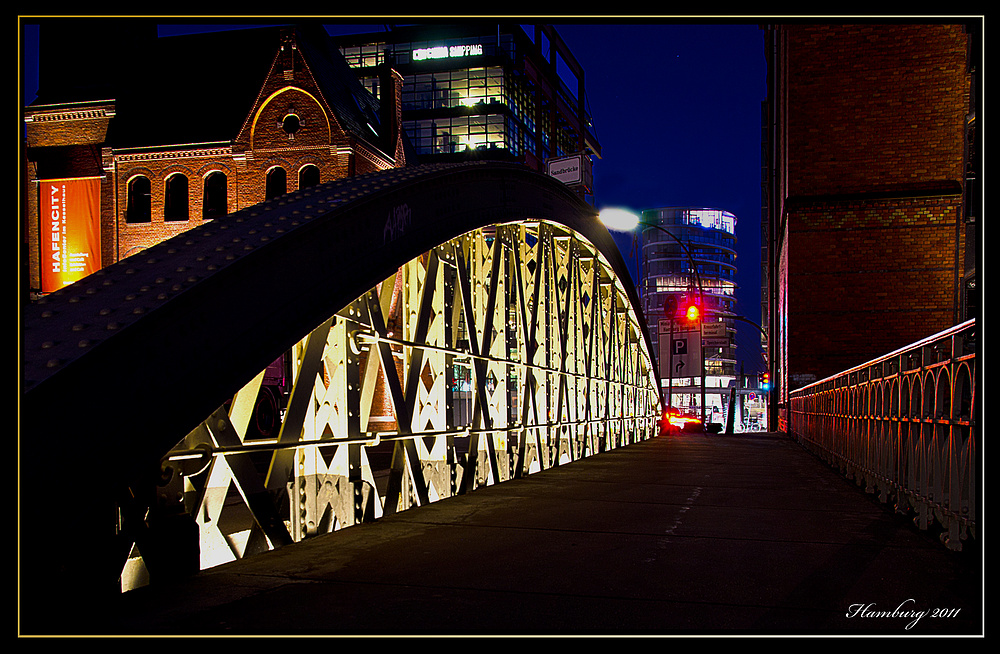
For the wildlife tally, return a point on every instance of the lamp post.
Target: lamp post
(622, 220)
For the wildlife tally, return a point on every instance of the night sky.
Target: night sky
(676, 108)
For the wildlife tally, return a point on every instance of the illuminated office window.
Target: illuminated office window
(457, 134)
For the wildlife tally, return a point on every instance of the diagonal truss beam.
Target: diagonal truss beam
(442, 350)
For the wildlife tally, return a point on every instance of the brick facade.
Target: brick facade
(293, 124)
(866, 277)
(866, 161)
(875, 107)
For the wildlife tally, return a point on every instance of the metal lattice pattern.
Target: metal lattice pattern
(436, 328)
(528, 314)
(903, 426)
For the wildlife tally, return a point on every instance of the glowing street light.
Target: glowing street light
(619, 220)
(623, 220)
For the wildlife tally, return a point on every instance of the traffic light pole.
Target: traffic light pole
(617, 223)
(670, 382)
(701, 355)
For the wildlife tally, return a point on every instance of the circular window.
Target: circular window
(291, 124)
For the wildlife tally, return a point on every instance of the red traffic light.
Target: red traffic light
(693, 313)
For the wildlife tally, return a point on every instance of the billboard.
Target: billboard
(70, 229)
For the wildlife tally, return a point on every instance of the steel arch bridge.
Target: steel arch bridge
(396, 299)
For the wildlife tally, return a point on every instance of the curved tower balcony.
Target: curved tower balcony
(709, 241)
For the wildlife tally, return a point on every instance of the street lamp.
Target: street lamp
(623, 220)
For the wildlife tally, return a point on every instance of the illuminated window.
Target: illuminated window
(175, 198)
(457, 134)
(277, 183)
(214, 202)
(449, 89)
(137, 208)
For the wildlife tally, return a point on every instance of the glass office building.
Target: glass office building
(697, 264)
(500, 91)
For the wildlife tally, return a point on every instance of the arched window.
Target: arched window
(137, 206)
(276, 183)
(214, 203)
(308, 176)
(175, 204)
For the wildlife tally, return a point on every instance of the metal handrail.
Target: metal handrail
(904, 426)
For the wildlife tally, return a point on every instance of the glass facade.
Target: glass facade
(476, 91)
(700, 268)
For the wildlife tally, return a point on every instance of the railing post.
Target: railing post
(901, 425)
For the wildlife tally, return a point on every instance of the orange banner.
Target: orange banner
(70, 211)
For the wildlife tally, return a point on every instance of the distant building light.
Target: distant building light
(444, 52)
(712, 219)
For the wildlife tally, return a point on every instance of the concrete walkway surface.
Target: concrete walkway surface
(686, 534)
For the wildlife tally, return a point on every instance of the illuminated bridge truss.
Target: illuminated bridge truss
(436, 352)
(504, 351)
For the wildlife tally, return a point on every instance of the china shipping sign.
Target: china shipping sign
(70, 211)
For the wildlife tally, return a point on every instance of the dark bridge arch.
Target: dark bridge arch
(120, 365)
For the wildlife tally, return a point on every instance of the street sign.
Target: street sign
(716, 342)
(713, 330)
(684, 354)
(573, 170)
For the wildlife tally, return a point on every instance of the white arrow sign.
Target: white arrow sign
(684, 354)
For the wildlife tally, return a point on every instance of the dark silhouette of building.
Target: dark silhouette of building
(870, 191)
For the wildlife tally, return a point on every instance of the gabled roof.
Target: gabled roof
(187, 89)
(356, 109)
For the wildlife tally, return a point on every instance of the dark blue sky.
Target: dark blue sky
(676, 108)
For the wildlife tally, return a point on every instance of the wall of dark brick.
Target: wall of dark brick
(874, 117)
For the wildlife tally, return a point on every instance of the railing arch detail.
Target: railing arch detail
(907, 431)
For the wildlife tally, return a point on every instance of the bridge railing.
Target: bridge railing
(904, 426)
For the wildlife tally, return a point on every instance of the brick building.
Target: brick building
(157, 135)
(868, 184)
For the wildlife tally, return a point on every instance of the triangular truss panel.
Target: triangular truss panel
(325, 358)
(505, 351)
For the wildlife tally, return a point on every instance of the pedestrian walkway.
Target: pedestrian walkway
(683, 534)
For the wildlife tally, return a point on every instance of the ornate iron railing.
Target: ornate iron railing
(904, 426)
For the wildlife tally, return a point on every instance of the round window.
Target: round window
(290, 124)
